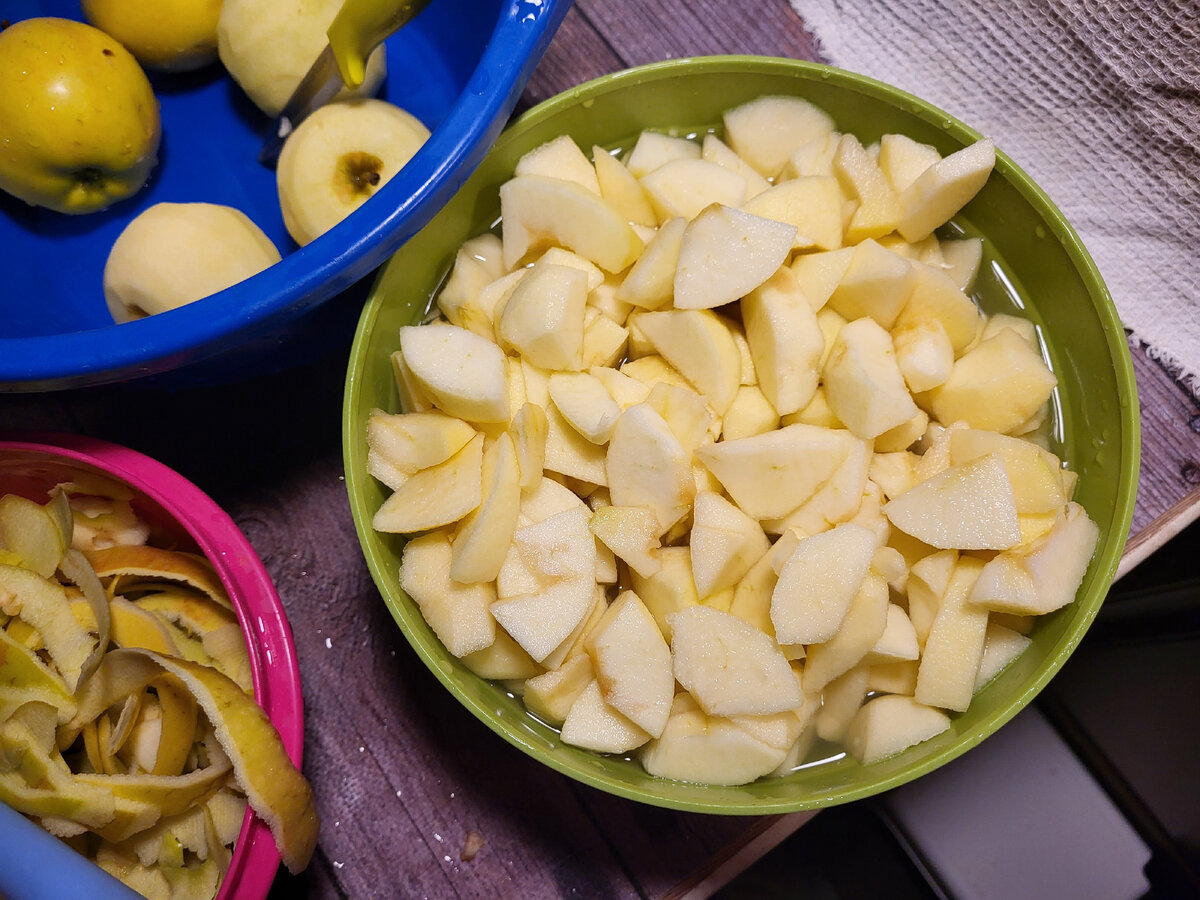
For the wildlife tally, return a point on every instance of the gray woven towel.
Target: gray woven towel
(1098, 100)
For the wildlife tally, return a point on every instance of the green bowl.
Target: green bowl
(1034, 263)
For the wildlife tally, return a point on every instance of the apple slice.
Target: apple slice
(686, 413)
(752, 596)
(630, 532)
(943, 189)
(767, 130)
(619, 187)
(962, 259)
(537, 211)
(886, 726)
(683, 187)
(647, 466)
(898, 641)
(838, 500)
(461, 372)
(750, 413)
(1035, 473)
(543, 318)
(725, 543)
(405, 443)
(700, 347)
(861, 629)
(785, 341)
(813, 203)
(725, 254)
(436, 496)
(559, 158)
(650, 282)
(954, 647)
(707, 749)
(818, 583)
(924, 354)
(875, 283)
(669, 588)
(818, 274)
(550, 695)
(970, 507)
(840, 700)
(769, 475)
(585, 403)
(483, 537)
(728, 666)
(633, 663)
(903, 160)
(878, 209)
(478, 263)
(457, 613)
(713, 149)
(653, 149)
(528, 429)
(569, 453)
(1001, 645)
(863, 382)
(595, 725)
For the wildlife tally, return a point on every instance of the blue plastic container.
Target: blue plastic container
(460, 67)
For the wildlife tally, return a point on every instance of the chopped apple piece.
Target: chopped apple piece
(954, 647)
(559, 158)
(962, 259)
(861, 629)
(813, 157)
(683, 187)
(654, 149)
(818, 274)
(766, 131)
(725, 254)
(996, 386)
(728, 666)
(818, 582)
(863, 381)
(569, 453)
(633, 663)
(543, 319)
(969, 506)
(625, 390)
(479, 262)
(630, 532)
(785, 341)
(621, 190)
(594, 725)
(903, 160)
(770, 475)
(750, 413)
(943, 189)
(528, 429)
(550, 695)
(713, 149)
(1035, 473)
(840, 700)
(502, 660)
(585, 403)
(435, 496)
(838, 500)
(935, 297)
(461, 372)
(894, 677)
(700, 347)
(706, 749)
(876, 283)
(924, 354)
(686, 413)
(538, 212)
(813, 203)
(878, 211)
(648, 466)
(405, 443)
(650, 282)
(457, 613)
(483, 538)
(725, 543)
(886, 726)
(669, 588)
(898, 641)
(752, 596)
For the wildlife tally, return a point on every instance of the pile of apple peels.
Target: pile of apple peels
(128, 726)
(711, 453)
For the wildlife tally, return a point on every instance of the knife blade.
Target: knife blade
(359, 27)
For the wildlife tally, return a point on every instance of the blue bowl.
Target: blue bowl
(460, 67)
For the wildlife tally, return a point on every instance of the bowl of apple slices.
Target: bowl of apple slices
(746, 436)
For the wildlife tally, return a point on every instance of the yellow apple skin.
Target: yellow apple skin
(170, 35)
(79, 123)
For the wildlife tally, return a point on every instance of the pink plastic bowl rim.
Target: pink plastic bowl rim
(274, 671)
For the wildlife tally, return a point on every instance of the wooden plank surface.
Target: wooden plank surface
(402, 775)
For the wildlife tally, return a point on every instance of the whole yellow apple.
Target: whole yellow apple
(79, 123)
(171, 35)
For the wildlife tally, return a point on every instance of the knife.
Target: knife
(359, 27)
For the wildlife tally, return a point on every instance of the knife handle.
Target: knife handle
(361, 26)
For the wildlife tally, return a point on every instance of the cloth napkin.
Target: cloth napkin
(1098, 100)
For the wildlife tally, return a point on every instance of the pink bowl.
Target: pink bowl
(31, 464)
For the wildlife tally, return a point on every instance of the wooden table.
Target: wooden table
(402, 776)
